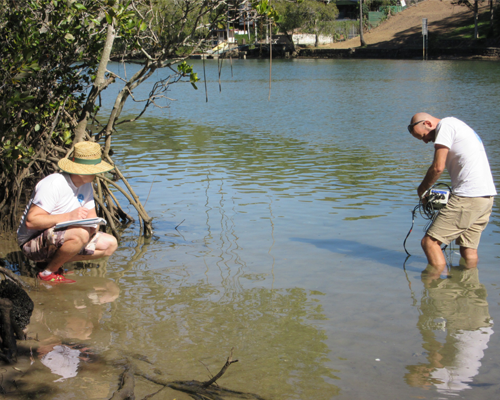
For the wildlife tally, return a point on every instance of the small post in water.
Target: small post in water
(424, 38)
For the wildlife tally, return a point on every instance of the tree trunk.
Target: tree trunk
(248, 27)
(255, 28)
(316, 36)
(99, 85)
(267, 32)
(290, 39)
(492, 11)
(227, 26)
(475, 18)
(361, 38)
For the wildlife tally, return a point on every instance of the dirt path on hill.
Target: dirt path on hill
(406, 27)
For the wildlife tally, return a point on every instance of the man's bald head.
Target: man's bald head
(421, 116)
(423, 126)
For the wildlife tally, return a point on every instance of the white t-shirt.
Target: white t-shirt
(469, 347)
(467, 162)
(55, 194)
(62, 361)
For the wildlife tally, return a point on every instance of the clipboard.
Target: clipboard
(86, 223)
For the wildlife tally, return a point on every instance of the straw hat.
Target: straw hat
(86, 160)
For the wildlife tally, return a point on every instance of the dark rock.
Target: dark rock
(22, 305)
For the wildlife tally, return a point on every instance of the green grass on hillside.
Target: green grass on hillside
(467, 31)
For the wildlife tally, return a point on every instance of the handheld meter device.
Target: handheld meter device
(437, 197)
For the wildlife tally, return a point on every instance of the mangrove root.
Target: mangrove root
(126, 389)
(195, 389)
(18, 191)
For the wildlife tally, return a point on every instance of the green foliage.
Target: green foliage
(292, 15)
(49, 54)
(320, 17)
(343, 28)
(485, 28)
(187, 70)
(264, 8)
(44, 66)
(179, 24)
(53, 58)
(241, 38)
(467, 31)
(310, 16)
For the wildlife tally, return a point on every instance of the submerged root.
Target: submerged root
(126, 388)
(195, 389)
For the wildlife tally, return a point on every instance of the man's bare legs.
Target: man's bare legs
(74, 240)
(105, 246)
(435, 256)
(470, 256)
(436, 260)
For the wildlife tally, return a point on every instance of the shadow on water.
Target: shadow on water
(364, 251)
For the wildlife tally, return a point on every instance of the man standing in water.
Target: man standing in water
(61, 198)
(458, 148)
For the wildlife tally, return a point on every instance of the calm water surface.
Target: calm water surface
(290, 215)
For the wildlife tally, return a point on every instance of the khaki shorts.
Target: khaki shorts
(463, 219)
(43, 247)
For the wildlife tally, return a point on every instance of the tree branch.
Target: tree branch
(229, 361)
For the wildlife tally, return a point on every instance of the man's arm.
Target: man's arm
(435, 170)
(40, 219)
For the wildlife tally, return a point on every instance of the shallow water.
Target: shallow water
(291, 215)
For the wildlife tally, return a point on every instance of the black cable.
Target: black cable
(427, 211)
(412, 222)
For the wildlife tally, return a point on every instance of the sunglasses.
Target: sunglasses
(410, 127)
